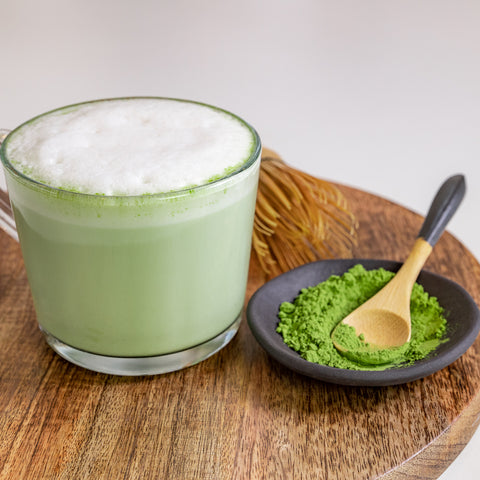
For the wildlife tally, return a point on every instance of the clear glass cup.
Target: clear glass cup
(135, 285)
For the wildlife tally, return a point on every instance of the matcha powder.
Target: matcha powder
(307, 323)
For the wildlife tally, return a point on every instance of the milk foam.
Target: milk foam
(130, 146)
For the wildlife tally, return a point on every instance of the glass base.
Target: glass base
(143, 365)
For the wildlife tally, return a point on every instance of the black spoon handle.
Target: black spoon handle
(444, 205)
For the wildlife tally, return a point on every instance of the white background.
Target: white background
(380, 95)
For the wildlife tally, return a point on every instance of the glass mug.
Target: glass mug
(135, 285)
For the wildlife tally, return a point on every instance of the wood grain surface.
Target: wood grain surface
(239, 414)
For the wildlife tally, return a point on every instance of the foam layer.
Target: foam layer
(130, 146)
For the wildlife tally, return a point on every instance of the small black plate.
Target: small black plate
(462, 313)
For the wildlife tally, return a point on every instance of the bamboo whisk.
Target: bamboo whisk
(298, 218)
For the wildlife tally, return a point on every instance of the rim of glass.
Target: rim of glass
(255, 153)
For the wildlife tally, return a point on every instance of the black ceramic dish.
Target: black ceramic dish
(461, 311)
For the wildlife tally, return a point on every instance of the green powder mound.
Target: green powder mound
(307, 323)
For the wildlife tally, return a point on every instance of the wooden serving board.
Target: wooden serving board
(239, 414)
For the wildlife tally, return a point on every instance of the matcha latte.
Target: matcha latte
(135, 218)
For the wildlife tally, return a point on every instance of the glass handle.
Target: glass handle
(7, 223)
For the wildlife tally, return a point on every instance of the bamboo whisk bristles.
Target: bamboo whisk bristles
(298, 218)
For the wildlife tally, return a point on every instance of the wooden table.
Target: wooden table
(239, 414)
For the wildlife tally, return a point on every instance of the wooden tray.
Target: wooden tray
(238, 414)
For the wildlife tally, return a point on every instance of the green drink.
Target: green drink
(137, 283)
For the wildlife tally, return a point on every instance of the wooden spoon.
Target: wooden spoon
(384, 319)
